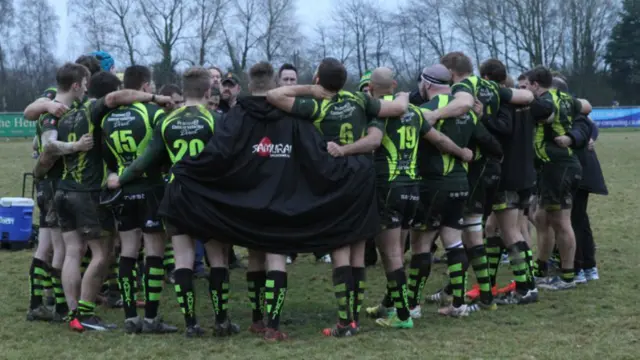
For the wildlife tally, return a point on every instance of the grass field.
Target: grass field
(599, 320)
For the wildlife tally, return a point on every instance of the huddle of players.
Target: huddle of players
(424, 185)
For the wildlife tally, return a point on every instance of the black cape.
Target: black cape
(266, 182)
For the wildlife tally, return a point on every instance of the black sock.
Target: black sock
(37, 273)
(61, 301)
(525, 251)
(276, 291)
(541, 268)
(457, 263)
(185, 294)
(343, 287)
(359, 287)
(386, 300)
(112, 277)
(127, 282)
(397, 285)
(256, 284)
(419, 271)
(153, 282)
(219, 292)
(478, 258)
(494, 249)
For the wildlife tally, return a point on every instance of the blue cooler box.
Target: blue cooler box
(16, 222)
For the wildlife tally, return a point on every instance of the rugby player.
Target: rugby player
(184, 133)
(341, 117)
(398, 188)
(444, 193)
(173, 91)
(127, 132)
(363, 86)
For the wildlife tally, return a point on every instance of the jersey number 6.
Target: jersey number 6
(346, 133)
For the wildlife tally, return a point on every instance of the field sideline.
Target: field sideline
(596, 321)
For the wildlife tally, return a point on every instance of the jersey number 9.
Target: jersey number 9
(407, 137)
(194, 146)
(72, 138)
(346, 133)
(123, 141)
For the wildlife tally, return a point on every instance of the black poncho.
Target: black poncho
(265, 181)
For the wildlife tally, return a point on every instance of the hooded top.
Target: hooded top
(265, 181)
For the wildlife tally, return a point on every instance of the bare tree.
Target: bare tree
(123, 13)
(280, 27)
(438, 35)
(356, 15)
(210, 14)
(88, 15)
(243, 39)
(6, 23)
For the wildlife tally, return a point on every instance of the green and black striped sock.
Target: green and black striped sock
(37, 274)
(256, 286)
(397, 287)
(185, 295)
(359, 287)
(275, 294)
(457, 264)
(419, 271)
(493, 248)
(153, 283)
(86, 308)
(343, 288)
(169, 259)
(61, 302)
(519, 266)
(219, 292)
(478, 259)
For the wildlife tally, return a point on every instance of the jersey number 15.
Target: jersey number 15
(123, 141)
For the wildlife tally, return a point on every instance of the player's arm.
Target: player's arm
(516, 96)
(53, 147)
(580, 132)
(446, 145)
(127, 97)
(44, 105)
(585, 106)
(366, 144)
(463, 101)
(285, 97)
(388, 108)
(151, 155)
(487, 144)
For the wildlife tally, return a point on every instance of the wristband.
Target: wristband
(153, 97)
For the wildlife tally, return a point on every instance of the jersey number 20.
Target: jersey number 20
(407, 137)
(194, 146)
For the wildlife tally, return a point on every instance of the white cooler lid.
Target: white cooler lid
(16, 201)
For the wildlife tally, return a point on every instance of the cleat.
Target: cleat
(41, 313)
(474, 293)
(556, 284)
(273, 335)
(441, 298)
(479, 306)
(452, 311)
(395, 322)
(580, 277)
(59, 318)
(133, 325)
(289, 260)
(591, 274)
(416, 312)
(258, 327)
(356, 327)
(51, 301)
(114, 300)
(339, 331)
(75, 325)
(505, 290)
(504, 259)
(194, 331)
(93, 322)
(543, 280)
(157, 326)
(226, 328)
(380, 311)
(515, 298)
(325, 259)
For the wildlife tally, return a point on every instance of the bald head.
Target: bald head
(559, 84)
(382, 82)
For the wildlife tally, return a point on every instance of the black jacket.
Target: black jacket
(265, 181)
(514, 127)
(592, 178)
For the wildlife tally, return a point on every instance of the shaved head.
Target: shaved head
(382, 77)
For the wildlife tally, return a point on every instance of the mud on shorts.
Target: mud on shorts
(513, 199)
(558, 183)
(45, 194)
(81, 211)
(397, 205)
(484, 179)
(440, 208)
(139, 210)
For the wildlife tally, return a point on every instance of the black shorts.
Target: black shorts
(140, 211)
(509, 199)
(484, 178)
(46, 190)
(558, 183)
(398, 205)
(82, 212)
(440, 208)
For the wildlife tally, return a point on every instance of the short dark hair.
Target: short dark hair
(196, 82)
(457, 62)
(523, 76)
(103, 83)
(287, 66)
(69, 74)
(332, 75)
(494, 70)
(90, 62)
(135, 76)
(261, 76)
(540, 75)
(170, 89)
(560, 84)
(213, 67)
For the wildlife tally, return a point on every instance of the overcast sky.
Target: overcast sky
(310, 12)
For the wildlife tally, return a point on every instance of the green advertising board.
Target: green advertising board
(14, 125)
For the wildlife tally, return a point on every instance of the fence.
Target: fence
(14, 125)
